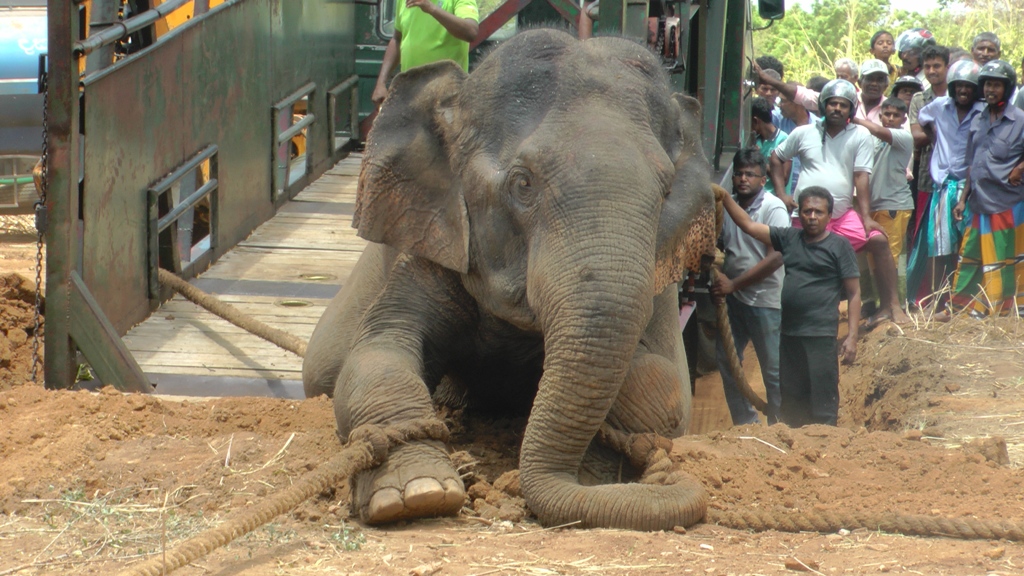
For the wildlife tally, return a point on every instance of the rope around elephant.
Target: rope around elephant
(368, 446)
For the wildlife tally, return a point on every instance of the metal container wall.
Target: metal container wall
(213, 81)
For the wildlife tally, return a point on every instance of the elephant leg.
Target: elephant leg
(379, 386)
(384, 382)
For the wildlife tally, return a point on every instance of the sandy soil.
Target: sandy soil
(91, 483)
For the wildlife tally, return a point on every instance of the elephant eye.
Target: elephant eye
(520, 186)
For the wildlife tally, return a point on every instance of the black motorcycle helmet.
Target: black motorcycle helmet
(999, 70)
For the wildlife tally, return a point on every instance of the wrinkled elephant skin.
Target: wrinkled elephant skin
(528, 222)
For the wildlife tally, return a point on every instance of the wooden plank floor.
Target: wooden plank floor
(283, 274)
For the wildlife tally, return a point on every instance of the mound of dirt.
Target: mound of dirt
(17, 326)
(931, 425)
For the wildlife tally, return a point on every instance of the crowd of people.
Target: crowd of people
(922, 158)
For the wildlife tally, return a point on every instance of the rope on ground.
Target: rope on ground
(828, 522)
(367, 448)
(211, 304)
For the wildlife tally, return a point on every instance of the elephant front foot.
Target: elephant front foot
(416, 481)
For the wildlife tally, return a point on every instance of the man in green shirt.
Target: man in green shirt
(427, 31)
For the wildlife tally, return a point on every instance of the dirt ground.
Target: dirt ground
(91, 483)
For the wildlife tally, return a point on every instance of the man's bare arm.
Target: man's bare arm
(391, 56)
(787, 90)
(756, 230)
(877, 130)
(758, 272)
(777, 171)
(464, 29)
(862, 185)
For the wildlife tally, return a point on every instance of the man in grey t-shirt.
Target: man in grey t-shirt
(751, 284)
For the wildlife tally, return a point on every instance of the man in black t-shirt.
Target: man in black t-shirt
(820, 266)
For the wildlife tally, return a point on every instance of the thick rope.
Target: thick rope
(735, 367)
(367, 448)
(893, 523)
(211, 304)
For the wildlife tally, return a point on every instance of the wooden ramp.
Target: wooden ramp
(283, 274)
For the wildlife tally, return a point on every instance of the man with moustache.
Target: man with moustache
(838, 156)
(947, 122)
(750, 282)
(986, 48)
(820, 268)
(990, 276)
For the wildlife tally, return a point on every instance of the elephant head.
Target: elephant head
(566, 184)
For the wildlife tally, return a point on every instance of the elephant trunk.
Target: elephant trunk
(595, 311)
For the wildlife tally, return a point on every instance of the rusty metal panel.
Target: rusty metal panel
(211, 82)
(325, 57)
(227, 61)
(133, 135)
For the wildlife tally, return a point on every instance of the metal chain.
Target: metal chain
(40, 212)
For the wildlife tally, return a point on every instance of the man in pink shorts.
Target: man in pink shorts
(838, 156)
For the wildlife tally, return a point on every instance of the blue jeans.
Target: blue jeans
(761, 327)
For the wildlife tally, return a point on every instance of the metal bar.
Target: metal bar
(495, 20)
(714, 50)
(349, 82)
(120, 30)
(62, 121)
(102, 16)
(102, 346)
(295, 96)
(613, 17)
(16, 180)
(570, 11)
(192, 163)
(185, 205)
(295, 128)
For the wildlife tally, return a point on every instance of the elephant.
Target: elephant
(528, 223)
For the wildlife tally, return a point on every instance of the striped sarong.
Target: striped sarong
(937, 234)
(990, 275)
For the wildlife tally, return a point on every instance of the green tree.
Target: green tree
(808, 42)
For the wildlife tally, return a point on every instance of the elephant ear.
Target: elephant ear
(409, 196)
(686, 230)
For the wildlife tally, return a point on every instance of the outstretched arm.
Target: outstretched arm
(755, 230)
(877, 130)
(724, 285)
(391, 57)
(787, 90)
(464, 29)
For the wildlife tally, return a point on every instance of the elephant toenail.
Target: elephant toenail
(423, 494)
(454, 494)
(385, 505)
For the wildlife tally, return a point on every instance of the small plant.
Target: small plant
(348, 539)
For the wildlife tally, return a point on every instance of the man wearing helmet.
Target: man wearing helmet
(910, 46)
(838, 156)
(947, 122)
(990, 276)
(905, 87)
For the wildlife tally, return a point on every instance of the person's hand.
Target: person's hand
(1016, 175)
(849, 349)
(722, 286)
(870, 224)
(958, 211)
(426, 5)
(379, 93)
(758, 71)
